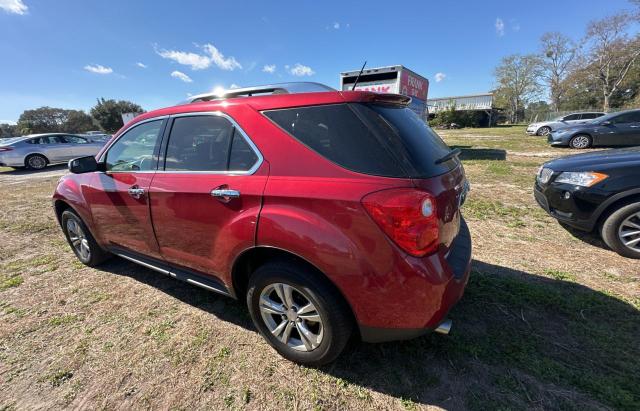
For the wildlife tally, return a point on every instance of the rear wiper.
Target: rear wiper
(451, 154)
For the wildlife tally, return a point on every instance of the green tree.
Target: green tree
(558, 54)
(517, 83)
(42, 120)
(108, 113)
(79, 122)
(8, 130)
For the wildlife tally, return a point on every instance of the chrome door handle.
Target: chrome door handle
(136, 192)
(225, 194)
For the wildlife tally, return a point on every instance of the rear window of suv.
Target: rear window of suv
(383, 140)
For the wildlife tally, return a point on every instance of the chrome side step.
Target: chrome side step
(182, 275)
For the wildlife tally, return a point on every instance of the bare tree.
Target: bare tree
(517, 83)
(612, 52)
(558, 54)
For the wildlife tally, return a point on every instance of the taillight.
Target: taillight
(408, 216)
(5, 149)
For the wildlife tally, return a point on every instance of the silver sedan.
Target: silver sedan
(36, 151)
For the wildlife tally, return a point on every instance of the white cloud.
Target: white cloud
(300, 70)
(499, 27)
(181, 76)
(439, 77)
(515, 26)
(269, 68)
(14, 6)
(336, 25)
(233, 85)
(141, 65)
(10, 122)
(201, 61)
(98, 69)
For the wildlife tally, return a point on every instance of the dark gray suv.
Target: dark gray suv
(614, 129)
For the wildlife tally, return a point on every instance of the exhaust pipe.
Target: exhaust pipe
(444, 327)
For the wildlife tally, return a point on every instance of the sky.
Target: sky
(67, 53)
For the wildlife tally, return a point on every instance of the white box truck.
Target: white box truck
(391, 79)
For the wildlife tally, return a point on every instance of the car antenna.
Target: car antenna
(358, 78)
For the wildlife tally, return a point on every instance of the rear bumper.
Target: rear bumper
(456, 267)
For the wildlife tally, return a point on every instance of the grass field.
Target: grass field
(550, 319)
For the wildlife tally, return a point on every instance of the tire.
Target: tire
(543, 131)
(335, 324)
(36, 162)
(81, 241)
(580, 141)
(623, 221)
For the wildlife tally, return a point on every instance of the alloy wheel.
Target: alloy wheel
(291, 317)
(545, 131)
(580, 142)
(78, 239)
(37, 162)
(629, 232)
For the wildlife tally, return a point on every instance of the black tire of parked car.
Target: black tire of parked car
(36, 161)
(97, 254)
(543, 131)
(334, 312)
(611, 225)
(576, 141)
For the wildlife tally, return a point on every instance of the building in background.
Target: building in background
(391, 79)
(481, 104)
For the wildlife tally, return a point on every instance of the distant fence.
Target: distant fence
(550, 115)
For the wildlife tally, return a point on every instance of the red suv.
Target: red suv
(334, 214)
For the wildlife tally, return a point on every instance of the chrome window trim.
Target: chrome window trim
(115, 140)
(235, 124)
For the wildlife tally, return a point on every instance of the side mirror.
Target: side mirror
(606, 123)
(83, 165)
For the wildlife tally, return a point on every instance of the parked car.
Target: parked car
(97, 137)
(545, 127)
(597, 191)
(274, 200)
(36, 151)
(614, 129)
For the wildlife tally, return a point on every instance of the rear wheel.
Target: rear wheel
(621, 231)
(581, 141)
(36, 162)
(299, 313)
(543, 131)
(81, 241)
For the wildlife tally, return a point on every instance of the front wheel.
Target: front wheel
(81, 241)
(621, 231)
(581, 141)
(299, 313)
(544, 131)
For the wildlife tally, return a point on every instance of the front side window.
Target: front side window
(134, 151)
(75, 140)
(207, 143)
(633, 117)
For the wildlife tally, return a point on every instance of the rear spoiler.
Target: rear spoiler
(387, 98)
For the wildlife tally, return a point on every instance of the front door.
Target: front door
(207, 195)
(119, 197)
(624, 130)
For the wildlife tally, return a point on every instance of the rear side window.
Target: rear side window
(207, 143)
(390, 141)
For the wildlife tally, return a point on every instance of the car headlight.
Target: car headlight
(582, 179)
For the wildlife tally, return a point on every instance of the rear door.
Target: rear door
(54, 147)
(119, 197)
(208, 193)
(572, 119)
(81, 147)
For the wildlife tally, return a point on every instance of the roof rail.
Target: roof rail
(280, 88)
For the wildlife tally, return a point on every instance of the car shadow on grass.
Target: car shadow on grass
(591, 238)
(220, 306)
(470, 153)
(518, 341)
